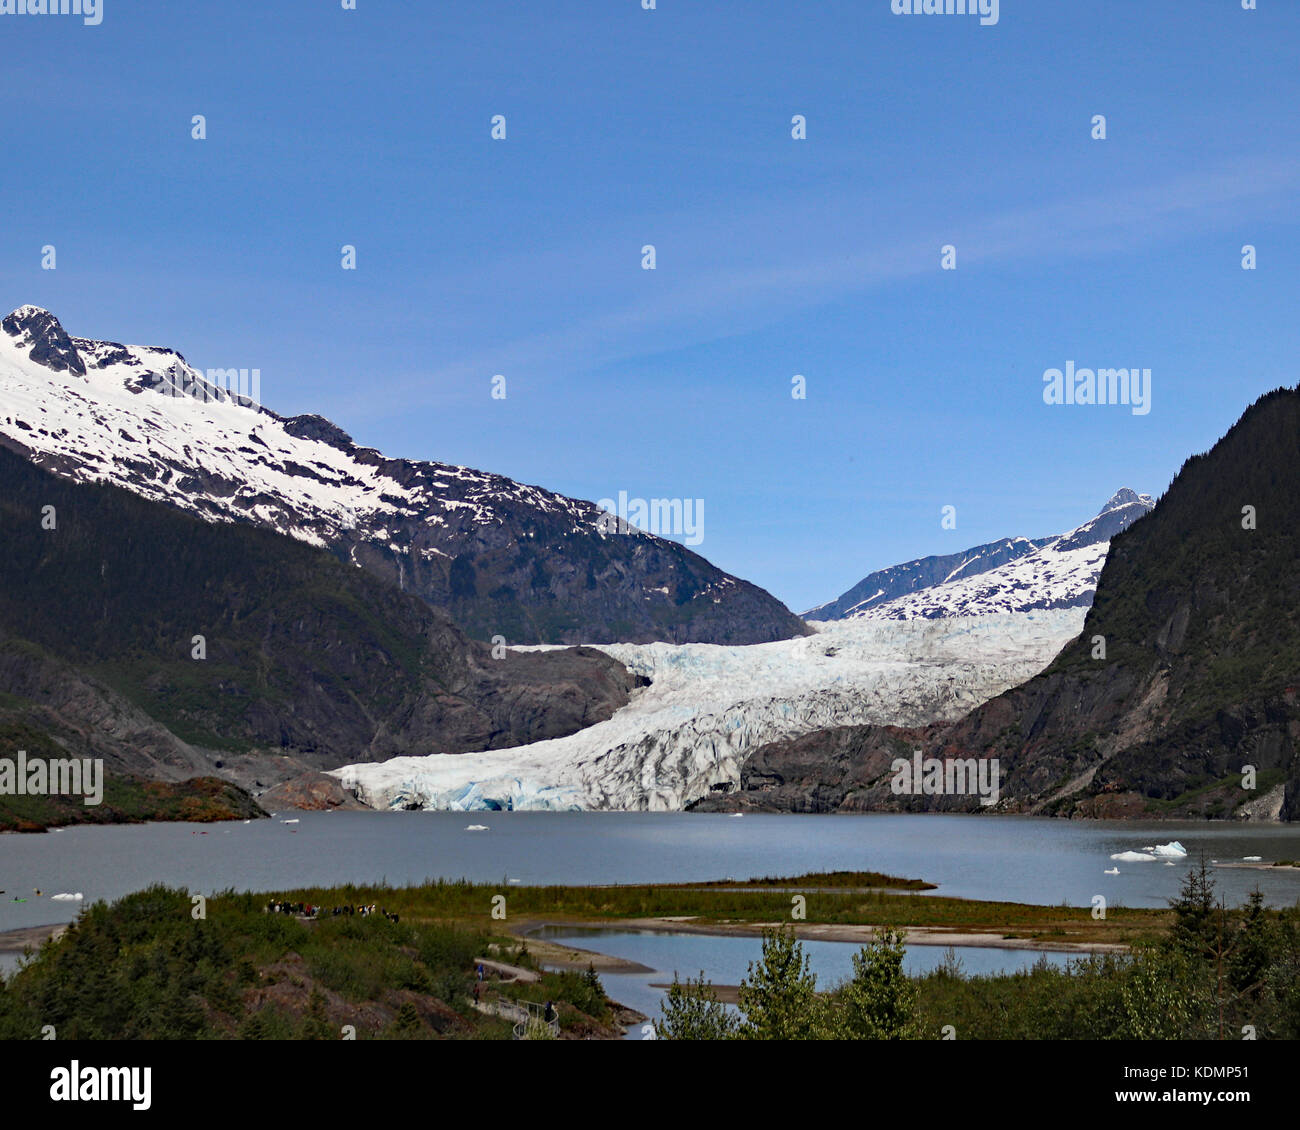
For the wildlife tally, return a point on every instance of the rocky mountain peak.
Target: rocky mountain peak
(49, 342)
(311, 426)
(1123, 509)
(1126, 497)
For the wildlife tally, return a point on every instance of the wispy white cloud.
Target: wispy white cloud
(797, 255)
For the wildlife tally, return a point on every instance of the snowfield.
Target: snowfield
(1049, 578)
(1057, 572)
(144, 419)
(708, 707)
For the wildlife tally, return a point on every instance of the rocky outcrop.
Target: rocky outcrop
(311, 791)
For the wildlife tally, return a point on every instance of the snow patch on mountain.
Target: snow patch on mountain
(499, 555)
(1060, 572)
(145, 419)
(708, 707)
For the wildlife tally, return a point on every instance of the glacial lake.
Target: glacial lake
(724, 960)
(1020, 859)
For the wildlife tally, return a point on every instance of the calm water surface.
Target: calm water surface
(725, 961)
(987, 857)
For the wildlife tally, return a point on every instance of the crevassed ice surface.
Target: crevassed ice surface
(708, 707)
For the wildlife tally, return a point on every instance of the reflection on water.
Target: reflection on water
(724, 960)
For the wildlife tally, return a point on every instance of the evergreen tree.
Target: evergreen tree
(779, 995)
(692, 1011)
(1194, 928)
(878, 1001)
(1254, 951)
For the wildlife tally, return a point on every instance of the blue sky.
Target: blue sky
(775, 257)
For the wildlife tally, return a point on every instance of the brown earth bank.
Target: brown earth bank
(311, 792)
(809, 931)
(29, 937)
(132, 800)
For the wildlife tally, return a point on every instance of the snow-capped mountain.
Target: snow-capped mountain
(688, 733)
(502, 557)
(1012, 575)
(925, 572)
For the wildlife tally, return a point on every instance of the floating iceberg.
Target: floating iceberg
(1152, 852)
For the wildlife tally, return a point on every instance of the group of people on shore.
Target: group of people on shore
(310, 910)
(298, 909)
(364, 911)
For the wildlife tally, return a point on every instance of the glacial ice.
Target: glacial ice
(1152, 852)
(709, 706)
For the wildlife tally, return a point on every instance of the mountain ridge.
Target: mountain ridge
(176, 648)
(1008, 575)
(503, 558)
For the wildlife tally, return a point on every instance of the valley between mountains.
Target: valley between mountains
(237, 611)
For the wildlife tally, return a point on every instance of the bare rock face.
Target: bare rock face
(40, 334)
(313, 792)
(845, 769)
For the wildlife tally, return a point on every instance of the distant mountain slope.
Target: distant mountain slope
(886, 585)
(307, 661)
(1200, 617)
(501, 557)
(1011, 575)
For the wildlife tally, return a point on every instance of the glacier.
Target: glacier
(709, 706)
